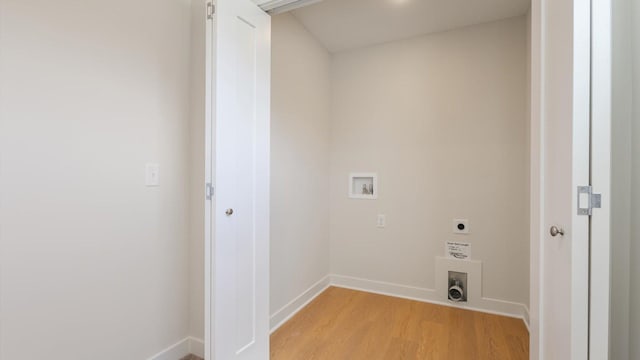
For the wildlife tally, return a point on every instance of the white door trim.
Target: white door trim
(536, 178)
(210, 93)
(581, 158)
(601, 125)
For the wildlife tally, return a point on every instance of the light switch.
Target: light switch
(382, 221)
(152, 174)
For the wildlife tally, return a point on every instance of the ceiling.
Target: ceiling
(346, 24)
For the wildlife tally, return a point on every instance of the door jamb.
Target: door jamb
(536, 176)
(209, 206)
(600, 239)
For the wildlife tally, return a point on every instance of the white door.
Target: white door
(561, 116)
(239, 95)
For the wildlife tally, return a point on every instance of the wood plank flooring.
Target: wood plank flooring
(347, 324)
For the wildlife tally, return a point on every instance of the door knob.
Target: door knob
(555, 231)
(229, 212)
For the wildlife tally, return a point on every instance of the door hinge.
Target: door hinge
(587, 200)
(211, 9)
(209, 191)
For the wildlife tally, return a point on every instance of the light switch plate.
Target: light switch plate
(382, 221)
(152, 174)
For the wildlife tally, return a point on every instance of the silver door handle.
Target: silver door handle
(555, 231)
(229, 212)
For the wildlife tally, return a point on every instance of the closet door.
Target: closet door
(561, 147)
(239, 252)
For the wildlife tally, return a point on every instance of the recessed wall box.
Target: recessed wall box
(363, 186)
(457, 290)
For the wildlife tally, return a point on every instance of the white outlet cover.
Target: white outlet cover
(461, 226)
(382, 221)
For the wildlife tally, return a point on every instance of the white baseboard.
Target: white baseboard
(192, 345)
(486, 305)
(196, 346)
(182, 348)
(174, 352)
(286, 312)
(525, 317)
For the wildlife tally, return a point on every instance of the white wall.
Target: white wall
(299, 161)
(625, 289)
(93, 264)
(442, 120)
(634, 333)
(621, 179)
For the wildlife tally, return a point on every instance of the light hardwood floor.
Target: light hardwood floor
(347, 324)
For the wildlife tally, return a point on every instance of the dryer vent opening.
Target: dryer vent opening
(457, 290)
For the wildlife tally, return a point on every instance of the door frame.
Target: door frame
(536, 176)
(210, 206)
(601, 151)
(537, 229)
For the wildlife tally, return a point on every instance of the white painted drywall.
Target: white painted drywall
(634, 333)
(622, 100)
(197, 170)
(625, 227)
(299, 161)
(93, 264)
(529, 172)
(344, 25)
(442, 120)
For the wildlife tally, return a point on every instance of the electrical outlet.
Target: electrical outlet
(461, 226)
(382, 221)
